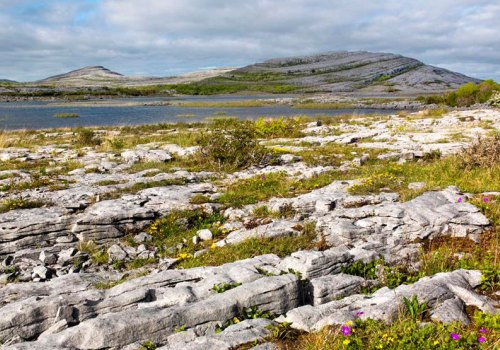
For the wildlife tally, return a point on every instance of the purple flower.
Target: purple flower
(483, 330)
(346, 331)
(359, 313)
(486, 199)
(481, 339)
(460, 200)
(454, 336)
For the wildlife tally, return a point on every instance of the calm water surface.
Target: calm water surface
(40, 115)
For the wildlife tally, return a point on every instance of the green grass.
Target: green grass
(405, 333)
(19, 203)
(178, 226)
(436, 174)
(281, 246)
(108, 183)
(262, 187)
(66, 115)
(98, 254)
(326, 105)
(226, 104)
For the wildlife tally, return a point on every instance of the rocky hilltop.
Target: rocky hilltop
(121, 239)
(86, 73)
(98, 76)
(356, 71)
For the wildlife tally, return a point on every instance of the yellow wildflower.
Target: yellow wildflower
(346, 342)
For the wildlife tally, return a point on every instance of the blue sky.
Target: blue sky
(39, 38)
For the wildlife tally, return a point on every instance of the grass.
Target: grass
(66, 115)
(4, 139)
(436, 174)
(98, 254)
(281, 246)
(260, 188)
(227, 104)
(318, 105)
(405, 333)
(181, 226)
(19, 203)
(108, 183)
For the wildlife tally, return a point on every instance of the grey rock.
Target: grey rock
(195, 240)
(232, 337)
(384, 304)
(66, 256)
(327, 288)
(116, 253)
(314, 264)
(40, 272)
(277, 228)
(416, 186)
(275, 294)
(47, 258)
(142, 237)
(288, 159)
(205, 235)
(451, 310)
(21, 229)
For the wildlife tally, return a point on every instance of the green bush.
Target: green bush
(471, 93)
(279, 127)
(228, 148)
(465, 96)
(87, 137)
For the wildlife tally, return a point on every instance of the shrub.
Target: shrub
(87, 137)
(470, 93)
(116, 144)
(483, 153)
(279, 127)
(228, 148)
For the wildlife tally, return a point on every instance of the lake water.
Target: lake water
(40, 115)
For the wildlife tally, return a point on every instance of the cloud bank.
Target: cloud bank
(39, 38)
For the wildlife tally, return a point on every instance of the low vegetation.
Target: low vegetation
(262, 187)
(228, 148)
(466, 95)
(66, 115)
(19, 203)
(405, 333)
(281, 246)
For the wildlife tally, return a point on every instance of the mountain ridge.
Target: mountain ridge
(348, 71)
(360, 72)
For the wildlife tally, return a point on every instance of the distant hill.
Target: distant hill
(357, 73)
(98, 76)
(353, 72)
(7, 81)
(95, 73)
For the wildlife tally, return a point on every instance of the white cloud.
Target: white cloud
(159, 36)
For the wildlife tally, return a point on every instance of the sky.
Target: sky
(40, 38)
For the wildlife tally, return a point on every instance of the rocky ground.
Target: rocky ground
(130, 245)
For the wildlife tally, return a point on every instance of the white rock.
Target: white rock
(205, 235)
